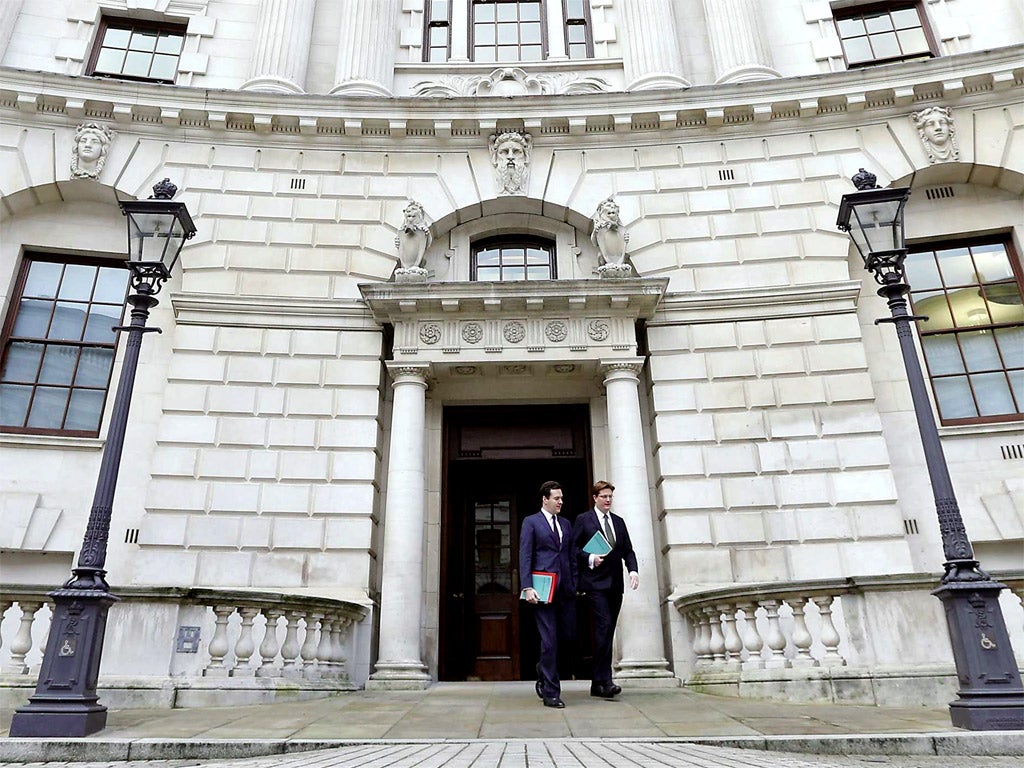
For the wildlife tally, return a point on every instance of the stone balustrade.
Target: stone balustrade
(188, 647)
(875, 640)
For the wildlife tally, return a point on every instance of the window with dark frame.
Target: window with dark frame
(884, 32)
(137, 50)
(504, 259)
(58, 344)
(438, 31)
(579, 43)
(973, 339)
(507, 31)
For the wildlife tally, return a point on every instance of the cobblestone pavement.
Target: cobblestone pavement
(606, 753)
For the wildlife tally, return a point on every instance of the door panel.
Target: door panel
(495, 598)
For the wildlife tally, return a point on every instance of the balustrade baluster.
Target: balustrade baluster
(829, 634)
(717, 644)
(246, 644)
(218, 648)
(337, 648)
(270, 646)
(310, 668)
(22, 642)
(776, 640)
(733, 644)
(4, 605)
(323, 648)
(290, 650)
(801, 635)
(752, 640)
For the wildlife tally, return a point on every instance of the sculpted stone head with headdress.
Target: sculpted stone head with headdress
(510, 156)
(938, 133)
(89, 153)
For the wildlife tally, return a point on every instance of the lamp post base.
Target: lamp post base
(991, 697)
(65, 702)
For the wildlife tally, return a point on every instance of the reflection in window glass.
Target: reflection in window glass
(138, 50)
(974, 325)
(507, 30)
(57, 361)
(503, 260)
(895, 32)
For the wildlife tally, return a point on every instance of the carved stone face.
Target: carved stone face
(510, 152)
(610, 211)
(936, 128)
(414, 215)
(90, 147)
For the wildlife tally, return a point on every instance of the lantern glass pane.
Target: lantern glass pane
(879, 223)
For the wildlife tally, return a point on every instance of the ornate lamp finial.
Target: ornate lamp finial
(864, 180)
(165, 190)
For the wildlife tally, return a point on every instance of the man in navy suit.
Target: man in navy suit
(601, 578)
(545, 544)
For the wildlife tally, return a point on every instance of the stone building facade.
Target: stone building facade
(352, 403)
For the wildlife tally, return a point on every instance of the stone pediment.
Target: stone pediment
(559, 320)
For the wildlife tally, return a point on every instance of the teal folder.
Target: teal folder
(598, 545)
(544, 582)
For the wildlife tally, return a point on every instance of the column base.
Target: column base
(645, 674)
(658, 81)
(270, 84)
(399, 676)
(360, 88)
(748, 73)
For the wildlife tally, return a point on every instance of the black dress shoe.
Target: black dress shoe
(539, 685)
(605, 691)
(616, 690)
(556, 702)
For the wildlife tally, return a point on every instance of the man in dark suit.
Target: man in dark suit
(601, 578)
(545, 544)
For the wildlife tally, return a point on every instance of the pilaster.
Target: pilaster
(651, 58)
(366, 50)
(739, 51)
(283, 32)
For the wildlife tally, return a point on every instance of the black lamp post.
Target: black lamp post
(991, 696)
(65, 701)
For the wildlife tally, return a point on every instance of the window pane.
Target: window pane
(22, 362)
(483, 11)
(1017, 384)
(913, 41)
(85, 410)
(991, 262)
(850, 27)
(110, 61)
(33, 318)
(531, 53)
(905, 18)
(169, 44)
(43, 279)
(529, 11)
(529, 33)
(438, 10)
(538, 273)
(48, 408)
(857, 50)
(880, 23)
(943, 354)
(77, 282)
(508, 33)
(993, 393)
(102, 319)
(111, 285)
(487, 257)
(577, 33)
(117, 38)
(980, 351)
(885, 46)
(438, 54)
(94, 367)
(58, 364)
(922, 273)
(509, 53)
(956, 266)
(68, 321)
(578, 51)
(933, 304)
(487, 274)
(137, 64)
(164, 67)
(513, 255)
(485, 35)
(439, 36)
(1011, 344)
(954, 398)
(537, 256)
(574, 9)
(514, 273)
(14, 404)
(143, 40)
(507, 11)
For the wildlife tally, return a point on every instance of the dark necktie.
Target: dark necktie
(556, 529)
(609, 533)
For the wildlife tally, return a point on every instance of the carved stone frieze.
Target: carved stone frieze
(511, 81)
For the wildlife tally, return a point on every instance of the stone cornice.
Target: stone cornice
(757, 303)
(248, 312)
(345, 119)
(396, 302)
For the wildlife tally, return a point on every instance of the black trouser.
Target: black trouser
(556, 624)
(604, 606)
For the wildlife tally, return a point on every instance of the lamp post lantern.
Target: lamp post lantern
(65, 701)
(990, 696)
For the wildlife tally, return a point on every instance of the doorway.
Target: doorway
(495, 461)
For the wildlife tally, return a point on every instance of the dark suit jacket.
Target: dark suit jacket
(539, 551)
(608, 575)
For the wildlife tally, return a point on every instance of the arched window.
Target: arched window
(506, 258)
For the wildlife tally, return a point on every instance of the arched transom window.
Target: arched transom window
(502, 259)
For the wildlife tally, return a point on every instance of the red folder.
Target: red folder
(544, 583)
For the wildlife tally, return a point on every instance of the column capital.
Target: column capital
(622, 368)
(408, 373)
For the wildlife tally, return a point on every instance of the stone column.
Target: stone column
(651, 56)
(366, 51)
(399, 659)
(284, 29)
(643, 662)
(739, 52)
